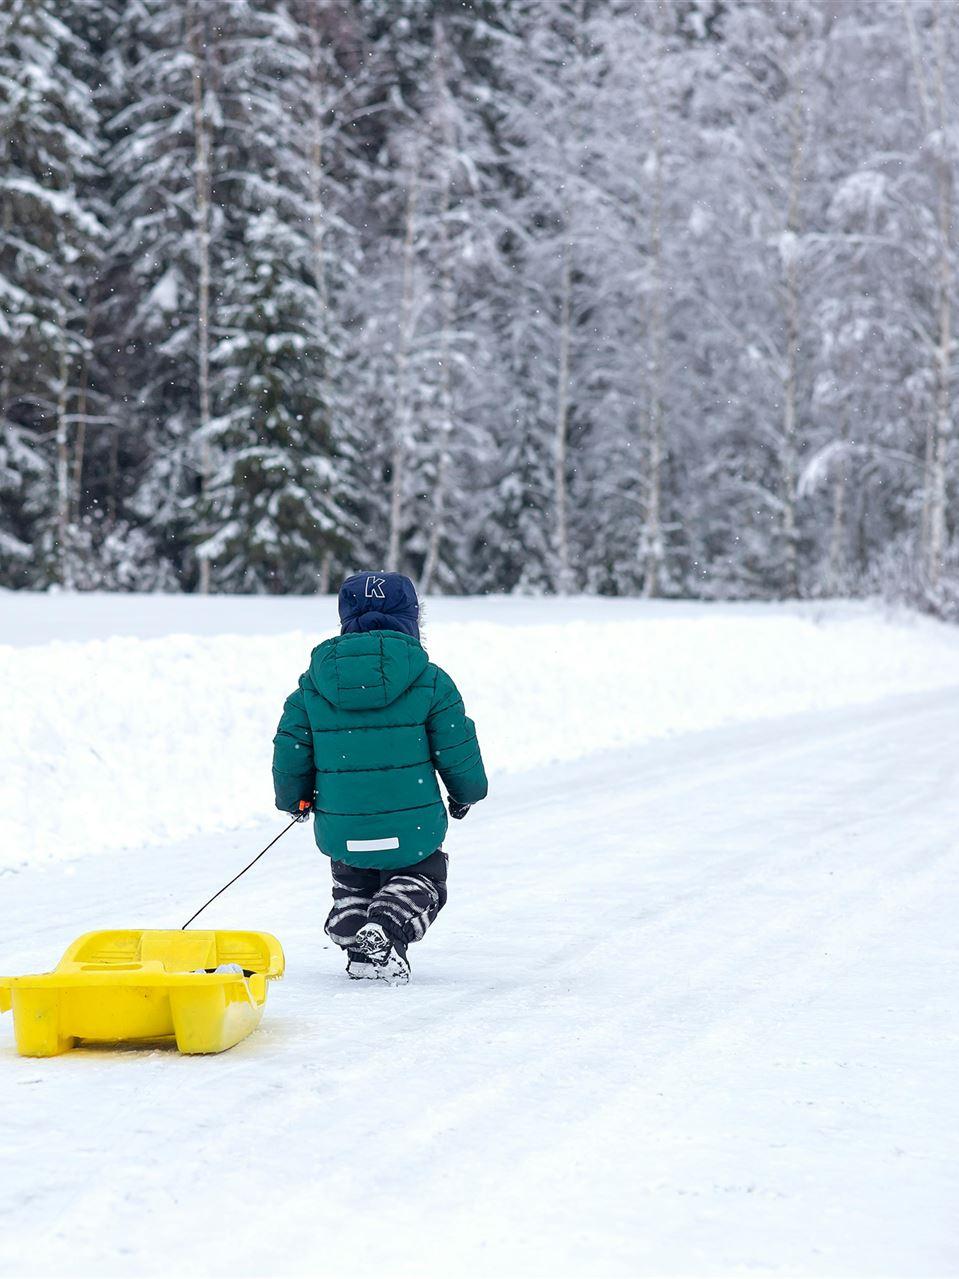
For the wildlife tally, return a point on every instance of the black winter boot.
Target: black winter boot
(359, 966)
(387, 957)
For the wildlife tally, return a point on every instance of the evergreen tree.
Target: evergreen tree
(167, 257)
(49, 240)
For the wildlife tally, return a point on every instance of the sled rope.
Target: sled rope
(242, 872)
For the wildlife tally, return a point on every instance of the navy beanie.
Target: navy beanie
(379, 602)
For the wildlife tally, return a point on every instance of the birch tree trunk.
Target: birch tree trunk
(652, 525)
(113, 478)
(560, 495)
(943, 421)
(326, 569)
(930, 442)
(401, 414)
(447, 306)
(789, 449)
(574, 150)
(63, 458)
(939, 425)
(201, 169)
(837, 533)
(317, 174)
(79, 446)
(317, 157)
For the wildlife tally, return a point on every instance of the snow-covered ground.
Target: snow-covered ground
(690, 1011)
(142, 725)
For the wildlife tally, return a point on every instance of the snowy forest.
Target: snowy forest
(509, 295)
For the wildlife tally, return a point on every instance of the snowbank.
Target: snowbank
(123, 741)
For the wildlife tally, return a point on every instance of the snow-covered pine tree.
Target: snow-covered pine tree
(512, 549)
(758, 140)
(272, 511)
(642, 158)
(560, 224)
(49, 242)
(430, 181)
(459, 250)
(860, 467)
(167, 259)
(933, 40)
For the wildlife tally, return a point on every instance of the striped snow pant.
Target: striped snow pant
(403, 902)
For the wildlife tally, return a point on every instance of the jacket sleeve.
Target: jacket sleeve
(454, 749)
(294, 770)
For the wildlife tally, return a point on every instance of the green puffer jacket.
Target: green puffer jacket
(363, 737)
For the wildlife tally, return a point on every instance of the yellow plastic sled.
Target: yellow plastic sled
(130, 986)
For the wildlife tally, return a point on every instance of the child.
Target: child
(361, 741)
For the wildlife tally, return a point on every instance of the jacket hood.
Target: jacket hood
(379, 602)
(366, 670)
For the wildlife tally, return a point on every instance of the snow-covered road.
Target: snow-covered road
(691, 1011)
